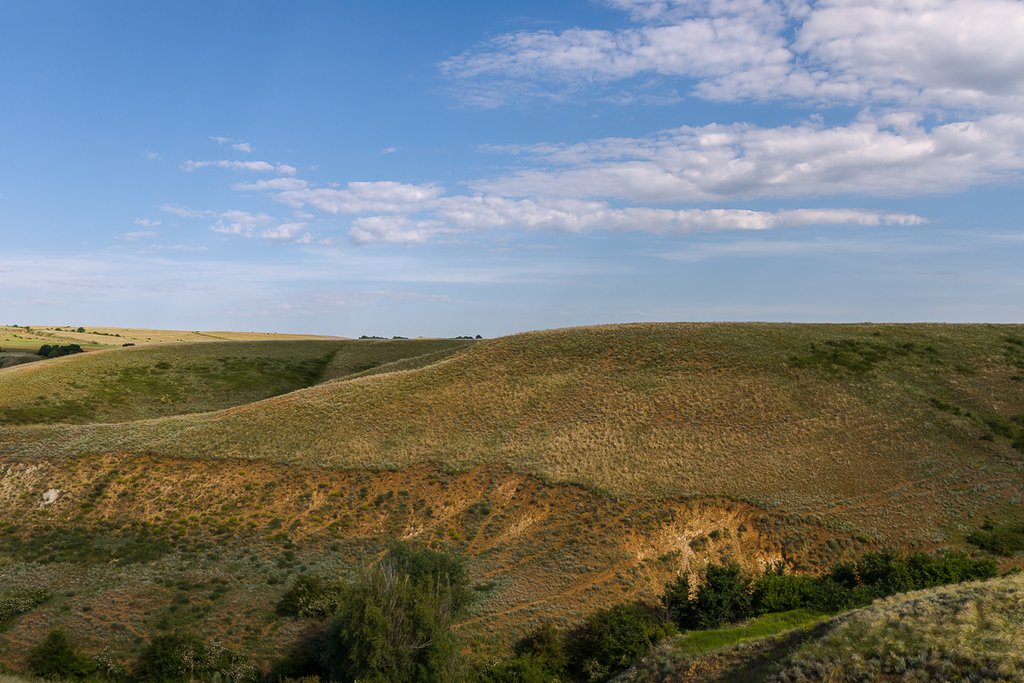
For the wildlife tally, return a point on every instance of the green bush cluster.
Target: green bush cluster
(728, 595)
(393, 623)
(58, 350)
(16, 603)
(1002, 539)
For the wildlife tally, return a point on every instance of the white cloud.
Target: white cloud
(285, 232)
(240, 223)
(137, 235)
(185, 212)
(389, 150)
(147, 222)
(462, 214)
(286, 169)
(273, 185)
(255, 166)
(363, 197)
(238, 146)
(920, 53)
(892, 155)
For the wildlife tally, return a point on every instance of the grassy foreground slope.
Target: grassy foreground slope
(906, 433)
(971, 631)
(125, 384)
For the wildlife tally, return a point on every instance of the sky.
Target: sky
(447, 168)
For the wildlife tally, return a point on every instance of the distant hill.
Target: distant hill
(149, 381)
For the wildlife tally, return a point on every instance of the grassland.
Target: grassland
(574, 468)
(970, 631)
(140, 544)
(33, 336)
(119, 385)
(901, 433)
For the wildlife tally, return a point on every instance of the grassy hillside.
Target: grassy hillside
(970, 631)
(573, 468)
(125, 384)
(140, 545)
(902, 433)
(33, 336)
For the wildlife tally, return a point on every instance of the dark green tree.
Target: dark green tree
(57, 659)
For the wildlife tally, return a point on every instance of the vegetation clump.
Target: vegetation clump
(57, 659)
(48, 351)
(1002, 539)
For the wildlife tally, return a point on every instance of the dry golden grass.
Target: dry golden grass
(135, 544)
(752, 412)
(99, 337)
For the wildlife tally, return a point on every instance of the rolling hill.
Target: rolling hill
(572, 468)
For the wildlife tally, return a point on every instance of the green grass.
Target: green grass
(693, 643)
(145, 382)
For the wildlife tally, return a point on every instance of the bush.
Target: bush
(17, 603)
(677, 603)
(612, 639)
(311, 596)
(48, 351)
(183, 657)
(723, 598)
(57, 659)
(389, 627)
(426, 567)
(1001, 539)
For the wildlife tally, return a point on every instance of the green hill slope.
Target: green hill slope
(126, 384)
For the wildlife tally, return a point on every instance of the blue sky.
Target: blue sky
(421, 169)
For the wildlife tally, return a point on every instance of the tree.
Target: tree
(394, 622)
(612, 639)
(724, 597)
(57, 659)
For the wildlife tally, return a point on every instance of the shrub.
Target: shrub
(57, 659)
(1001, 539)
(724, 597)
(612, 639)
(17, 603)
(677, 603)
(48, 351)
(389, 627)
(426, 567)
(169, 657)
(311, 596)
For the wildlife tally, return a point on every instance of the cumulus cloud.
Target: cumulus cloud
(888, 155)
(363, 197)
(285, 231)
(240, 223)
(147, 222)
(920, 53)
